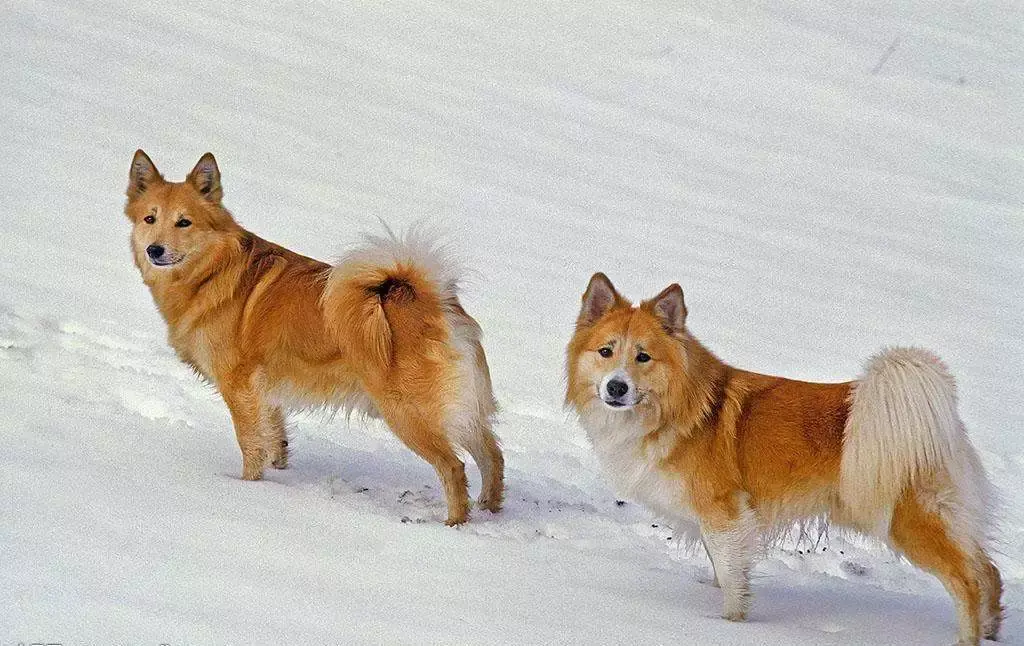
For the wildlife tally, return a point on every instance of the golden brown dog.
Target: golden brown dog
(380, 332)
(732, 455)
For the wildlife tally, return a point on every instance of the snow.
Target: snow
(813, 211)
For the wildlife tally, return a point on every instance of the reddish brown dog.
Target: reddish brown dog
(380, 332)
(735, 455)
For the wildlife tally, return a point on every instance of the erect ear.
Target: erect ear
(205, 177)
(669, 308)
(141, 175)
(599, 299)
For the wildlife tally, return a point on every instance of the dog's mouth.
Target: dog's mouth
(620, 404)
(166, 260)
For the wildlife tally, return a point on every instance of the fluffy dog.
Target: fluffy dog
(734, 455)
(380, 332)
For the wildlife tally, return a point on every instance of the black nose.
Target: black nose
(154, 251)
(617, 388)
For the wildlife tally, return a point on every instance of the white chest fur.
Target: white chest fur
(633, 464)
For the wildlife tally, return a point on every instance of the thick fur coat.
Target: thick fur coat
(382, 331)
(732, 455)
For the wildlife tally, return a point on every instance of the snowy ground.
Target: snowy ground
(816, 198)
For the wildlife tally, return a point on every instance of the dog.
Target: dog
(733, 456)
(381, 332)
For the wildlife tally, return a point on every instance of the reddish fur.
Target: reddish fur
(258, 320)
(737, 436)
(770, 437)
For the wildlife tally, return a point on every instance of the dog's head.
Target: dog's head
(174, 223)
(625, 359)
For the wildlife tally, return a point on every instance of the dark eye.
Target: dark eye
(605, 352)
(149, 219)
(643, 357)
(182, 223)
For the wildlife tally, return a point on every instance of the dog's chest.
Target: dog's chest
(194, 349)
(636, 468)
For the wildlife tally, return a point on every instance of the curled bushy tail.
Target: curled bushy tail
(903, 425)
(392, 305)
(390, 290)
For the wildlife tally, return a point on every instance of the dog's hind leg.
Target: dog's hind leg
(469, 416)
(428, 440)
(483, 447)
(992, 592)
(277, 437)
(730, 541)
(924, 537)
(244, 400)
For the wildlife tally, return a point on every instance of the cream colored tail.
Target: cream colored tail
(904, 426)
(385, 295)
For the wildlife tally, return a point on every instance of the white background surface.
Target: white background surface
(814, 211)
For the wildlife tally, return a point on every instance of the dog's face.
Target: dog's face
(173, 223)
(624, 358)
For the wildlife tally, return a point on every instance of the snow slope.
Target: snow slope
(816, 197)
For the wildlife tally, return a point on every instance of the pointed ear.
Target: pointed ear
(599, 299)
(205, 177)
(141, 175)
(669, 308)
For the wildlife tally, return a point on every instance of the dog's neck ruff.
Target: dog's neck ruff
(631, 454)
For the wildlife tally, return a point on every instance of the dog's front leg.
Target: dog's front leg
(707, 550)
(730, 540)
(277, 437)
(243, 398)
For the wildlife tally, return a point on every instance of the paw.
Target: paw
(735, 609)
(280, 463)
(455, 521)
(279, 458)
(990, 625)
(252, 474)
(252, 465)
(491, 505)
